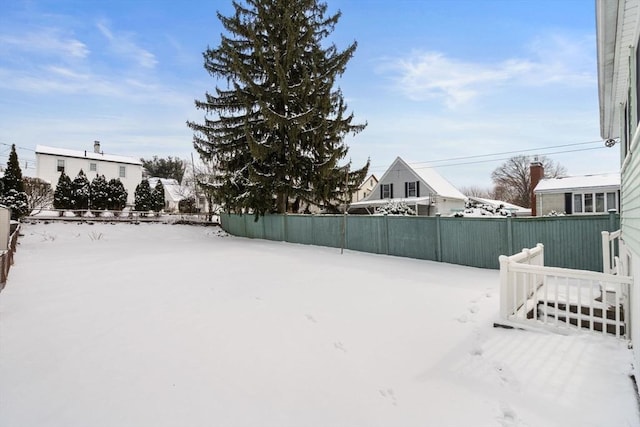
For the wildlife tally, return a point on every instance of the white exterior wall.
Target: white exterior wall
(447, 206)
(548, 202)
(365, 189)
(47, 169)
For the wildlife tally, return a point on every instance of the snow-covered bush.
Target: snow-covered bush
(17, 202)
(395, 208)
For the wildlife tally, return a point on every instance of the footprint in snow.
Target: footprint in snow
(474, 309)
(389, 394)
(339, 346)
(310, 318)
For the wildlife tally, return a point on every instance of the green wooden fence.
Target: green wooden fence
(569, 241)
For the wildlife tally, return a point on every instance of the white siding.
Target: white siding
(47, 169)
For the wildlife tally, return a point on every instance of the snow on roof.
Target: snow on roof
(381, 202)
(172, 188)
(437, 182)
(86, 154)
(496, 203)
(548, 185)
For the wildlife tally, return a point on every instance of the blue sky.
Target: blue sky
(433, 79)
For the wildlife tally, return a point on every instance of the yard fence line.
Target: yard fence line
(6, 257)
(569, 241)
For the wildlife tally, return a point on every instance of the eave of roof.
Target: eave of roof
(90, 155)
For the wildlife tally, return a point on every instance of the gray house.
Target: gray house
(578, 195)
(422, 189)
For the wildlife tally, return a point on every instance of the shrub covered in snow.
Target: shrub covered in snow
(395, 208)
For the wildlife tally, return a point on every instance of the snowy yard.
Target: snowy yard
(171, 325)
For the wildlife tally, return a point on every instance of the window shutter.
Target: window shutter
(381, 191)
(391, 185)
(417, 188)
(568, 203)
(406, 189)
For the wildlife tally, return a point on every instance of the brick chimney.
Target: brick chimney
(537, 173)
(96, 146)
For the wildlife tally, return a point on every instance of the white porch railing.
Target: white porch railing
(561, 299)
(611, 262)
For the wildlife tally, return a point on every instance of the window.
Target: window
(611, 201)
(411, 189)
(577, 203)
(60, 166)
(122, 172)
(588, 202)
(599, 202)
(595, 202)
(93, 167)
(386, 191)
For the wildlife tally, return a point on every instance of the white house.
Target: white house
(173, 192)
(365, 188)
(618, 42)
(578, 195)
(51, 161)
(422, 189)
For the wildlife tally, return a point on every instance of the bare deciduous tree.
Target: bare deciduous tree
(39, 193)
(476, 191)
(512, 179)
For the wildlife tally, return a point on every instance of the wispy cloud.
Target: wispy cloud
(46, 41)
(552, 59)
(123, 44)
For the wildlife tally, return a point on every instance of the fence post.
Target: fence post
(438, 239)
(509, 235)
(386, 232)
(504, 286)
(612, 220)
(285, 226)
(606, 255)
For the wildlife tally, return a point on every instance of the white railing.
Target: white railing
(611, 263)
(561, 299)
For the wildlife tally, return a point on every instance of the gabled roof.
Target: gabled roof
(604, 180)
(77, 154)
(430, 177)
(172, 188)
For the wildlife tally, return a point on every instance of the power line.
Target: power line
(541, 151)
(507, 158)
(509, 152)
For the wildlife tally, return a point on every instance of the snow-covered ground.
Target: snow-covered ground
(171, 325)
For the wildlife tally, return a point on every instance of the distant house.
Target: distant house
(173, 192)
(578, 195)
(51, 162)
(422, 189)
(480, 206)
(365, 189)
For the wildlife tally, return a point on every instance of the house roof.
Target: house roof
(91, 155)
(605, 180)
(433, 179)
(497, 203)
(172, 188)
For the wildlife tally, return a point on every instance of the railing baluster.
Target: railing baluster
(579, 304)
(591, 301)
(617, 304)
(567, 303)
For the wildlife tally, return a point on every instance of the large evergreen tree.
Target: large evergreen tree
(164, 168)
(276, 129)
(62, 193)
(12, 179)
(80, 191)
(143, 197)
(99, 193)
(158, 197)
(117, 195)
